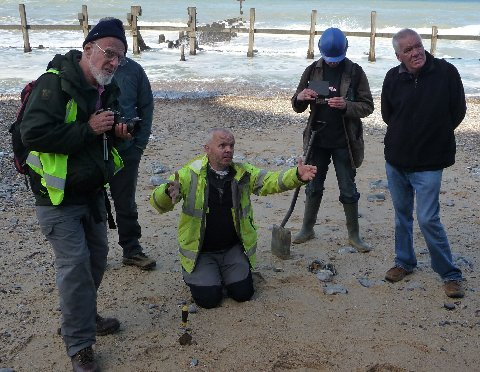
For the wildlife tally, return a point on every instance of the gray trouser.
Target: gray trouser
(122, 188)
(80, 246)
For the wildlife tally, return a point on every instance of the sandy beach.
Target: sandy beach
(292, 323)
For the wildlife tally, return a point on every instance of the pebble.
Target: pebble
(194, 362)
(324, 275)
(379, 184)
(347, 250)
(332, 289)
(449, 306)
(365, 282)
(376, 197)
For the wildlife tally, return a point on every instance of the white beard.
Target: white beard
(101, 77)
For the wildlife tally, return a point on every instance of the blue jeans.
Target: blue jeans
(321, 158)
(425, 186)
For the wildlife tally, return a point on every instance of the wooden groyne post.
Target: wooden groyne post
(83, 19)
(23, 19)
(311, 40)
(192, 33)
(251, 32)
(132, 18)
(433, 44)
(373, 32)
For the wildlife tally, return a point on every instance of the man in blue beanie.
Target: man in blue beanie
(338, 94)
(68, 127)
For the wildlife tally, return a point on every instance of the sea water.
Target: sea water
(224, 67)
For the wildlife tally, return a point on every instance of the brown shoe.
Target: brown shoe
(395, 274)
(140, 260)
(84, 361)
(106, 326)
(454, 289)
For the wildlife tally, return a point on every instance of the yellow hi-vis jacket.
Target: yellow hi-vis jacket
(194, 192)
(52, 168)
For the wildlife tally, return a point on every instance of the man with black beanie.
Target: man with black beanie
(69, 129)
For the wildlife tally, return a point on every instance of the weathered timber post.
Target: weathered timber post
(182, 47)
(433, 45)
(251, 32)
(241, 9)
(373, 31)
(23, 19)
(311, 41)
(83, 19)
(132, 19)
(192, 24)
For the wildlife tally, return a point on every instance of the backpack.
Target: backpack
(20, 152)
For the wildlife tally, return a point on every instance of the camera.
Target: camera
(133, 124)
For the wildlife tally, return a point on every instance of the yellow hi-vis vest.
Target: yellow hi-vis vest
(194, 191)
(52, 168)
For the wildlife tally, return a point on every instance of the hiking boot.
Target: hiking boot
(106, 326)
(454, 289)
(84, 361)
(395, 274)
(140, 260)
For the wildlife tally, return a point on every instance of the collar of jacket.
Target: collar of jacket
(199, 165)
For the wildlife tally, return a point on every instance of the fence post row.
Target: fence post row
(191, 30)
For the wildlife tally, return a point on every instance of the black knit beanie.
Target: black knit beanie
(112, 27)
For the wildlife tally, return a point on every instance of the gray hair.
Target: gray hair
(402, 34)
(211, 133)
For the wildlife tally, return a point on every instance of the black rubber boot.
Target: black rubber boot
(351, 214)
(312, 204)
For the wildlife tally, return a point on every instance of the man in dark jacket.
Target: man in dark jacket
(136, 101)
(68, 129)
(335, 115)
(422, 103)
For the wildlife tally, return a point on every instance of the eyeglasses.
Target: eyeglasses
(110, 55)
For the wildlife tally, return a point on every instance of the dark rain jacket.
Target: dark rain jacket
(43, 129)
(421, 113)
(136, 100)
(355, 89)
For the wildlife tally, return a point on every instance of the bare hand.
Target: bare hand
(307, 95)
(337, 102)
(305, 171)
(174, 188)
(101, 121)
(122, 132)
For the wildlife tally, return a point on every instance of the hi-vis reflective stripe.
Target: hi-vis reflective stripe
(191, 255)
(244, 212)
(259, 183)
(189, 206)
(251, 252)
(280, 181)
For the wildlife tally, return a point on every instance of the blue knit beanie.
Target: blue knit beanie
(111, 27)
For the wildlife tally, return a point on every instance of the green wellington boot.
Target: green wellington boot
(312, 204)
(351, 214)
